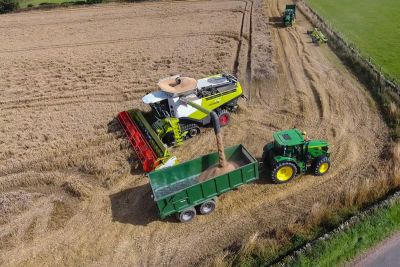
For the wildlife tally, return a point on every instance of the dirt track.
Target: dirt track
(69, 193)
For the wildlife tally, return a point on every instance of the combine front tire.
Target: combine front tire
(187, 215)
(194, 131)
(321, 166)
(283, 172)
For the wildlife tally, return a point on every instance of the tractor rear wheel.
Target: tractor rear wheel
(321, 166)
(187, 215)
(224, 117)
(283, 172)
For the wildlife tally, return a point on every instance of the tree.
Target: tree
(8, 6)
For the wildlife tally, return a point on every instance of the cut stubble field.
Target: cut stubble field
(69, 190)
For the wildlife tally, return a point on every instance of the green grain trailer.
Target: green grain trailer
(177, 189)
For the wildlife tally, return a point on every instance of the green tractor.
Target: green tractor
(289, 15)
(291, 153)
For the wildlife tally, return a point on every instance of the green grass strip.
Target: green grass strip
(372, 25)
(344, 246)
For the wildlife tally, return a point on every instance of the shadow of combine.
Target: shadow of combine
(115, 128)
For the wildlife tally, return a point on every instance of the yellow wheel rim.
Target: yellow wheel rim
(323, 168)
(284, 173)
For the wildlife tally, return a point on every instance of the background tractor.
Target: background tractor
(289, 15)
(291, 153)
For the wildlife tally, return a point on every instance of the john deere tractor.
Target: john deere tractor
(289, 15)
(291, 153)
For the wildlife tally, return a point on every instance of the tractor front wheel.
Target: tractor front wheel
(283, 172)
(321, 166)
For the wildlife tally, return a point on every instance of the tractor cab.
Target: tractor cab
(291, 153)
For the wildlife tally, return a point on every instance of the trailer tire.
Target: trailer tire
(207, 207)
(187, 215)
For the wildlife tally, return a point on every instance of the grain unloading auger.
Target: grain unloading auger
(172, 120)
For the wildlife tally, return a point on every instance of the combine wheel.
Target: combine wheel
(283, 172)
(187, 215)
(224, 117)
(195, 131)
(321, 166)
(207, 207)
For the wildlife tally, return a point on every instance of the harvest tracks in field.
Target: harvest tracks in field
(66, 165)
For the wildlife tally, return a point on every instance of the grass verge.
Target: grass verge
(344, 246)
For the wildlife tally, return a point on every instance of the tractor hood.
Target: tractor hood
(155, 97)
(317, 143)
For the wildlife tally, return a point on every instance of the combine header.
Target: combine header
(150, 151)
(172, 120)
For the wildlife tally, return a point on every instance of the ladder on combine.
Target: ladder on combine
(176, 129)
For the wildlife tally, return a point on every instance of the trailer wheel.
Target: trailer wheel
(187, 215)
(207, 207)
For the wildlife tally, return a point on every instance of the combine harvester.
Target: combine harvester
(317, 36)
(289, 15)
(171, 120)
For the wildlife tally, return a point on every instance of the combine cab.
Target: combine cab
(172, 120)
(317, 36)
(289, 16)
